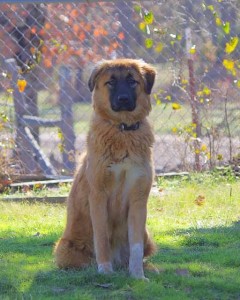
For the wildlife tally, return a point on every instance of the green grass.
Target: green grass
(198, 254)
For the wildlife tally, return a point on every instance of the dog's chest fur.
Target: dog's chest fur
(125, 174)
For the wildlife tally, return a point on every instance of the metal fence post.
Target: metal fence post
(66, 102)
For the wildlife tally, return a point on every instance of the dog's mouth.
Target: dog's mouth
(125, 107)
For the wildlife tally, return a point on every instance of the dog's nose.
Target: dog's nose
(123, 98)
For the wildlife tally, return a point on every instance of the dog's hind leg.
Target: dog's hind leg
(75, 248)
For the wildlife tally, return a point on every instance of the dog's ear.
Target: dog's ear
(149, 74)
(95, 73)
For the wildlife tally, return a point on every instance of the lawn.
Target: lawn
(195, 221)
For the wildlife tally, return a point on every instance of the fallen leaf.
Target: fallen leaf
(200, 200)
(26, 188)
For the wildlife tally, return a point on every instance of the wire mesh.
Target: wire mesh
(195, 98)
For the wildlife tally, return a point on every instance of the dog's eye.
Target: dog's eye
(111, 83)
(132, 82)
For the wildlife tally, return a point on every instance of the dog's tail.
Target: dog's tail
(149, 246)
(72, 254)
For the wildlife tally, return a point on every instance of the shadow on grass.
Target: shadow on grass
(204, 264)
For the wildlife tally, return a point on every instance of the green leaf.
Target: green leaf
(148, 17)
(210, 7)
(148, 43)
(137, 8)
(179, 37)
(226, 27)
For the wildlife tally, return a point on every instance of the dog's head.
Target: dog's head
(121, 89)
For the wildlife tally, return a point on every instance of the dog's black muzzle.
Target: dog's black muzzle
(123, 102)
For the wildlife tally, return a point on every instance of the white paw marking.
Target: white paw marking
(105, 268)
(136, 261)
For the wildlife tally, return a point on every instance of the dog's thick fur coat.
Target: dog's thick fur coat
(107, 205)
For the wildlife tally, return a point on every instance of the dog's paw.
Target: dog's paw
(140, 277)
(105, 268)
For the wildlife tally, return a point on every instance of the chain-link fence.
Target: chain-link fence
(48, 50)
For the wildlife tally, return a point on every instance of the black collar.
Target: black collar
(125, 127)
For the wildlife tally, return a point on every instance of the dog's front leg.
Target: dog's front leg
(136, 227)
(99, 217)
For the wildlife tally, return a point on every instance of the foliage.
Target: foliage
(163, 35)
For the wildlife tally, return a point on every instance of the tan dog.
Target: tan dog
(107, 205)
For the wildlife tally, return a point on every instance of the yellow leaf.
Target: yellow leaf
(195, 135)
(174, 129)
(206, 91)
(203, 147)
(218, 21)
(228, 64)
(168, 97)
(184, 81)
(197, 151)
(231, 46)
(21, 83)
(10, 91)
(193, 49)
(159, 47)
(176, 106)
(142, 26)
